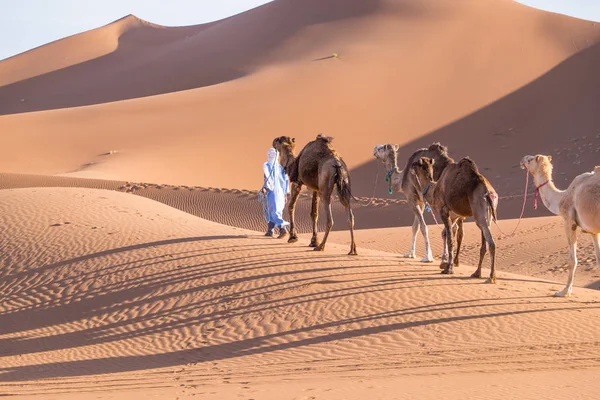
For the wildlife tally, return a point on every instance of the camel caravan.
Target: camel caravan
(432, 181)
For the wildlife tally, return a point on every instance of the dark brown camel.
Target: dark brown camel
(320, 168)
(460, 192)
(402, 181)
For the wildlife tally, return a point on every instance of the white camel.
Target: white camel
(579, 206)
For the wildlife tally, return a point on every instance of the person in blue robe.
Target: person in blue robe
(276, 188)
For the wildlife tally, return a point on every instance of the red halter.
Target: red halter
(536, 193)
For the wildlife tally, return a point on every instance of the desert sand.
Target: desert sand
(105, 292)
(132, 258)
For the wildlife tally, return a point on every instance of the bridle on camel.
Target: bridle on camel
(536, 193)
(388, 178)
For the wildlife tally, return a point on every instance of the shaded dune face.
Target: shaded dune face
(252, 77)
(133, 58)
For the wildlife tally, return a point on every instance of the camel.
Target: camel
(318, 167)
(579, 206)
(402, 181)
(460, 192)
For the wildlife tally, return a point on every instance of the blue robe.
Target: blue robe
(277, 184)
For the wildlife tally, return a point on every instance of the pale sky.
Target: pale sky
(584, 9)
(25, 24)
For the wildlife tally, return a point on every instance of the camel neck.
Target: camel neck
(427, 192)
(391, 163)
(550, 195)
(289, 160)
(393, 174)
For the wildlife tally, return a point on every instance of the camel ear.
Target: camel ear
(550, 158)
(293, 140)
(396, 147)
(431, 161)
(538, 158)
(420, 162)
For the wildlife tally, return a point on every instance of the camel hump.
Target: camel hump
(326, 139)
(437, 146)
(470, 165)
(467, 162)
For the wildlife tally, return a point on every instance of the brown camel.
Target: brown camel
(402, 181)
(320, 168)
(579, 206)
(460, 192)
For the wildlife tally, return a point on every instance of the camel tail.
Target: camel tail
(492, 199)
(342, 182)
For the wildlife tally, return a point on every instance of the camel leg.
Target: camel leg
(296, 188)
(572, 239)
(483, 219)
(351, 225)
(492, 248)
(327, 203)
(482, 251)
(456, 232)
(314, 213)
(596, 240)
(412, 252)
(448, 268)
(458, 225)
(444, 260)
(418, 210)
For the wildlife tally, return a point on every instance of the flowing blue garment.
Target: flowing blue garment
(277, 184)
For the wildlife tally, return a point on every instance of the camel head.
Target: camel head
(386, 152)
(537, 164)
(284, 144)
(422, 169)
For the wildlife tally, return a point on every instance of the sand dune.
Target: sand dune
(404, 70)
(240, 208)
(132, 259)
(111, 294)
(132, 58)
(526, 253)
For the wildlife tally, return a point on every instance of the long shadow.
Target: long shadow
(246, 347)
(141, 290)
(555, 114)
(105, 333)
(594, 285)
(125, 294)
(153, 60)
(120, 294)
(125, 249)
(125, 297)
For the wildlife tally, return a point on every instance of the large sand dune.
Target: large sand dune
(492, 80)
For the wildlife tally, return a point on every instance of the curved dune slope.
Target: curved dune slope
(493, 80)
(109, 293)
